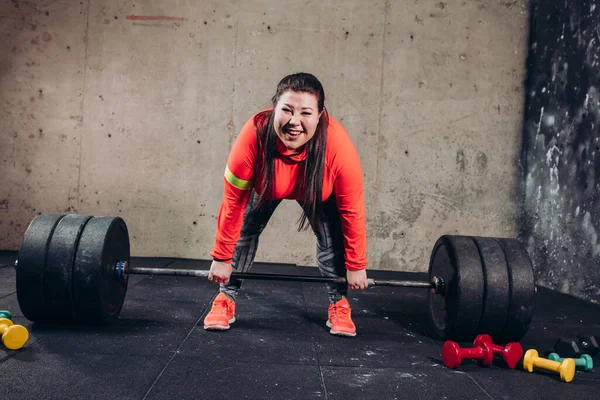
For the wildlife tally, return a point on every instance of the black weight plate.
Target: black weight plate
(30, 265)
(522, 290)
(496, 288)
(440, 265)
(98, 291)
(455, 314)
(58, 286)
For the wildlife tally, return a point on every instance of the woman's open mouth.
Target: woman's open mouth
(293, 133)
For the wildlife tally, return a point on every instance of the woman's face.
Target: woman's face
(296, 118)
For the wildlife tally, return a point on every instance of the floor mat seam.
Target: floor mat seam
(320, 367)
(6, 295)
(179, 347)
(8, 357)
(24, 348)
(480, 387)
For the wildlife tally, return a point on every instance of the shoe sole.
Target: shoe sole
(339, 333)
(219, 327)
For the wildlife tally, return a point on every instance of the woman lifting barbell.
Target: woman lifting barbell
(295, 151)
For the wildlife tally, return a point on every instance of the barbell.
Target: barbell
(74, 269)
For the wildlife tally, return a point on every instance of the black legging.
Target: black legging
(330, 245)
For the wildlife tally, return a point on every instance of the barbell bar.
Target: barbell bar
(75, 269)
(123, 267)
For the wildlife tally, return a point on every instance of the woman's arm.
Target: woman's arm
(237, 185)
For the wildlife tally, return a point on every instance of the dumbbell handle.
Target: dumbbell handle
(473, 352)
(583, 361)
(497, 349)
(511, 353)
(547, 364)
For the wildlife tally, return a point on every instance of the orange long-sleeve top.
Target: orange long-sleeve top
(342, 177)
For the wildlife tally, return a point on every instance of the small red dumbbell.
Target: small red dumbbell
(452, 354)
(511, 353)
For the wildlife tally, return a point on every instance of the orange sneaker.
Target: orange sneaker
(340, 320)
(222, 313)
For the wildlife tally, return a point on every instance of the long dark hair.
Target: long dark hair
(312, 180)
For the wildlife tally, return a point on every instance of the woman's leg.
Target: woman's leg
(331, 261)
(245, 249)
(330, 249)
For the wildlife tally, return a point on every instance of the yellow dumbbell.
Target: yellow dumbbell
(566, 368)
(13, 336)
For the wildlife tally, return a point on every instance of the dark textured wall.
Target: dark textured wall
(561, 146)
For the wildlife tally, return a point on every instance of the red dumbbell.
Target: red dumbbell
(511, 353)
(452, 354)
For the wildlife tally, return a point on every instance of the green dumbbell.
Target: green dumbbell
(584, 361)
(5, 314)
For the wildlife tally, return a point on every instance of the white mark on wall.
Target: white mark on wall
(549, 120)
(552, 158)
(592, 104)
(592, 235)
(565, 286)
(539, 128)
(591, 52)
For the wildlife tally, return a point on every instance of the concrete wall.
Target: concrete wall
(561, 223)
(104, 113)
